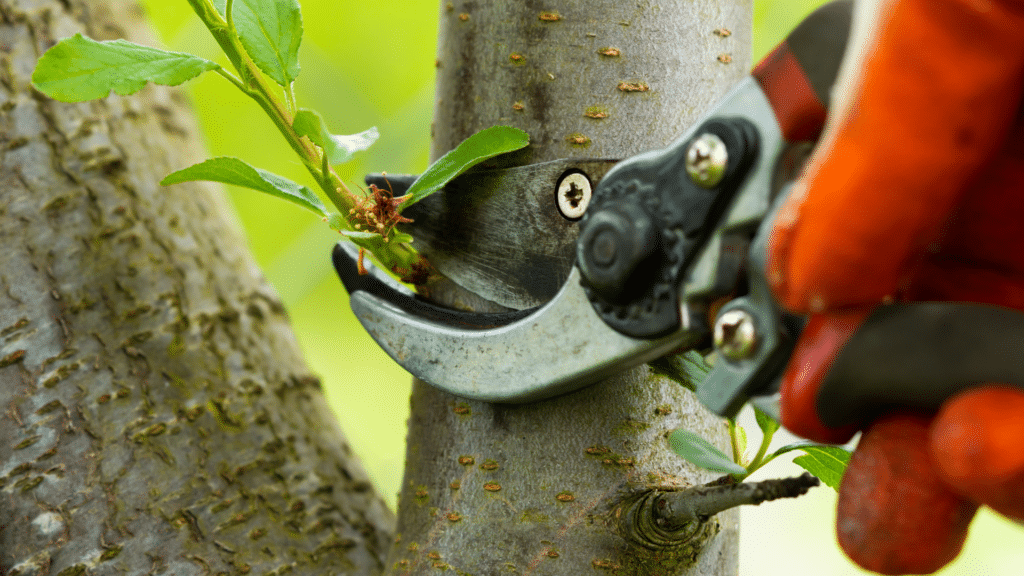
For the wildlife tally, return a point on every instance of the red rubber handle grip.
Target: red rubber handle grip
(797, 76)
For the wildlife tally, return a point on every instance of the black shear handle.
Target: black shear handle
(918, 354)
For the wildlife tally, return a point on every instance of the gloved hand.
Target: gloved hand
(916, 192)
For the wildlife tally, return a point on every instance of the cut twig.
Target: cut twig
(672, 510)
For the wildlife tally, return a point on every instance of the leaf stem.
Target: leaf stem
(229, 17)
(218, 27)
(290, 98)
(325, 169)
(759, 459)
(231, 78)
(737, 457)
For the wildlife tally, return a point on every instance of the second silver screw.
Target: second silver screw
(736, 335)
(706, 160)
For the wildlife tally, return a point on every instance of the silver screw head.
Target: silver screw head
(736, 335)
(573, 195)
(706, 160)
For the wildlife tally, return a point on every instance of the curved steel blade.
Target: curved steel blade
(564, 345)
(516, 357)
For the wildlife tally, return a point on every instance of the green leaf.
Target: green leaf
(339, 149)
(828, 463)
(77, 69)
(485, 144)
(741, 440)
(800, 445)
(271, 31)
(222, 6)
(700, 452)
(766, 423)
(337, 222)
(234, 171)
(371, 241)
(688, 369)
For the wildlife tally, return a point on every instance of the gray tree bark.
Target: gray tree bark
(546, 488)
(155, 413)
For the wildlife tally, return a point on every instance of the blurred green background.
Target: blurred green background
(372, 64)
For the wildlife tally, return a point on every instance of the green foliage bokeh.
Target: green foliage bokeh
(372, 64)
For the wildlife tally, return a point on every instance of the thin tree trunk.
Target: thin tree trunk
(545, 487)
(155, 413)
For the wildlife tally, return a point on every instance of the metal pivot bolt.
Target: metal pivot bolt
(736, 335)
(706, 160)
(615, 243)
(573, 195)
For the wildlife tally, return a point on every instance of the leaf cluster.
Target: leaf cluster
(261, 39)
(826, 462)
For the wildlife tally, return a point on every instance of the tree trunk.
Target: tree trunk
(157, 416)
(546, 487)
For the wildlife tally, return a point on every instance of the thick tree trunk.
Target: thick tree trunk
(155, 413)
(542, 488)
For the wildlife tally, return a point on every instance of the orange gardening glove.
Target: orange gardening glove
(916, 192)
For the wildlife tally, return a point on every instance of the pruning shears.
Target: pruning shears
(668, 257)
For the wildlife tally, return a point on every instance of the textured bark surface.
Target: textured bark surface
(155, 413)
(554, 69)
(543, 488)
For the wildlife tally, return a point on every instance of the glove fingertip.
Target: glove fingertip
(895, 515)
(820, 343)
(975, 441)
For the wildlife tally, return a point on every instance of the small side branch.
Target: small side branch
(673, 510)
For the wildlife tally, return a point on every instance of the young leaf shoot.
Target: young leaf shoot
(261, 39)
